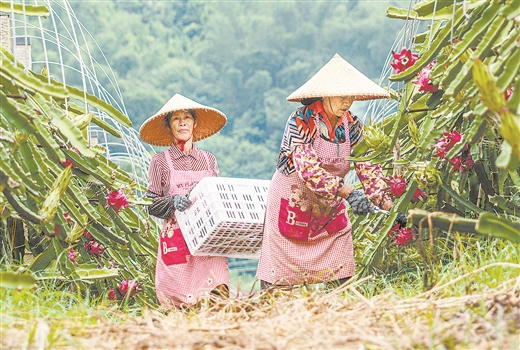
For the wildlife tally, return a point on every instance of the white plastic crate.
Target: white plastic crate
(226, 217)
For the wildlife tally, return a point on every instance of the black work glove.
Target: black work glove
(181, 202)
(401, 220)
(359, 203)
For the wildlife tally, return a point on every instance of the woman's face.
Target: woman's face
(181, 125)
(337, 105)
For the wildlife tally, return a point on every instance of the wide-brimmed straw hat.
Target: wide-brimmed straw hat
(339, 78)
(209, 121)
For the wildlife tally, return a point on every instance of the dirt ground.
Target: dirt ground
(342, 319)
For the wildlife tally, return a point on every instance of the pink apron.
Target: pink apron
(181, 278)
(307, 238)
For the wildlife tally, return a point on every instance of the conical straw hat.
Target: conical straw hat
(339, 78)
(209, 122)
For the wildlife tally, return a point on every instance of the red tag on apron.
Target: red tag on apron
(173, 249)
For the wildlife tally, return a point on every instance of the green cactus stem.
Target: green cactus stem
(486, 224)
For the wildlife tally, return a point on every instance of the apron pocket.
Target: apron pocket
(173, 249)
(335, 223)
(293, 223)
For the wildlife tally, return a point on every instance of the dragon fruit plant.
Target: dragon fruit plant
(452, 149)
(80, 207)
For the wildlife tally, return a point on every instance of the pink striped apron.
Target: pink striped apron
(311, 248)
(181, 278)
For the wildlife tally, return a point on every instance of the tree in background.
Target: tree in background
(244, 58)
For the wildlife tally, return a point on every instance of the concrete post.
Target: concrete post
(22, 51)
(5, 31)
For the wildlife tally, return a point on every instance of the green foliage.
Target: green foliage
(51, 313)
(11, 280)
(472, 186)
(486, 224)
(56, 184)
(243, 58)
(28, 10)
(56, 317)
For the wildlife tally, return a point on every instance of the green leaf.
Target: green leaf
(486, 87)
(28, 10)
(483, 50)
(510, 129)
(514, 100)
(99, 103)
(50, 205)
(11, 280)
(140, 201)
(18, 206)
(27, 80)
(84, 272)
(402, 13)
(105, 126)
(478, 28)
(500, 227)
(401, 115)
(90, 99)
(65, 126)
(466, 203)
(74, 108)
(92, 272)
(427, 7)
(510, 72)
(27, 121)
(506, 159)
(401, 162)
(33, 162)
(495, 101)
(511, 10)
(444, 221)
(515, 178)
(436, 46)
(365, 158)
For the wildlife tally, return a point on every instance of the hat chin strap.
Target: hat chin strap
(182, 143)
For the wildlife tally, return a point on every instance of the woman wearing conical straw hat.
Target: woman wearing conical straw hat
(182, 279)
(307, 233)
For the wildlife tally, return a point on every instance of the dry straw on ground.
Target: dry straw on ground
(306, 319)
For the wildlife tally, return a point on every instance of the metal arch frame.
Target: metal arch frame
(379, 110)
(68, 37)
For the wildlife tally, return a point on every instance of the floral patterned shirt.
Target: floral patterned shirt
(297, 153)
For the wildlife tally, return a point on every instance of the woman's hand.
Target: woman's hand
(387, 205)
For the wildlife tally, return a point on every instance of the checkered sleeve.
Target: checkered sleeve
(162, 206)
(157, 174)
(213, 165)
